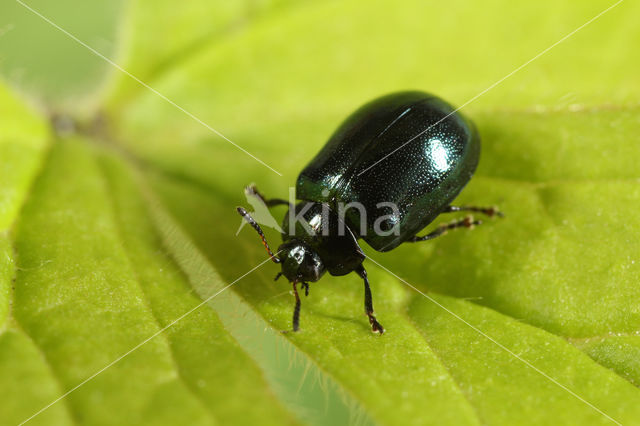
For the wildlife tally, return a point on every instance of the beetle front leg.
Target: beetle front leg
(296, 309)
(466, 222)
(376, 327)
(269, 202)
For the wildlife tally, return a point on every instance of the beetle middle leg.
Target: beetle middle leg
(269, 202)
(466, 222)
(376, 327)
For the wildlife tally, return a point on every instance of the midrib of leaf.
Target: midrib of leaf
(115, 167)
(188, 385)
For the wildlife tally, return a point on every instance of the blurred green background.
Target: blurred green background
(45, 62)
(112, 231)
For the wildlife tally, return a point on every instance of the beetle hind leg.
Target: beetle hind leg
(466, 222)
(376, 327)
(488, 211)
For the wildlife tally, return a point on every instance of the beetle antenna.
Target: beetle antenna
(255, 226)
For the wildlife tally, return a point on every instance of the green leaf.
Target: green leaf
(531, 319)
(46, 63)
(172, 34)
(23, 139)
(93, 283)
(27, 382)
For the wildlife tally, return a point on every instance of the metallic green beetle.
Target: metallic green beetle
(387, 172)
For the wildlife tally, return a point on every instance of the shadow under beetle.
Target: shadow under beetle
(410, 150)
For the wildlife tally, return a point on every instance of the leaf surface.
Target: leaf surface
(532, 319)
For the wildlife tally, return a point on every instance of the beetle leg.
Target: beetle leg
(376, 327)
(252, 190)
(466, 222)
(296, 309)
(489, 211)
(305, 286)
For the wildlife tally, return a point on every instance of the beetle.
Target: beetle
(396, 164)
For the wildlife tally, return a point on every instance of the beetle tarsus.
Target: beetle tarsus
(376, 327)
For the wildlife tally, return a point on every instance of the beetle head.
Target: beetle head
(299, 262)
